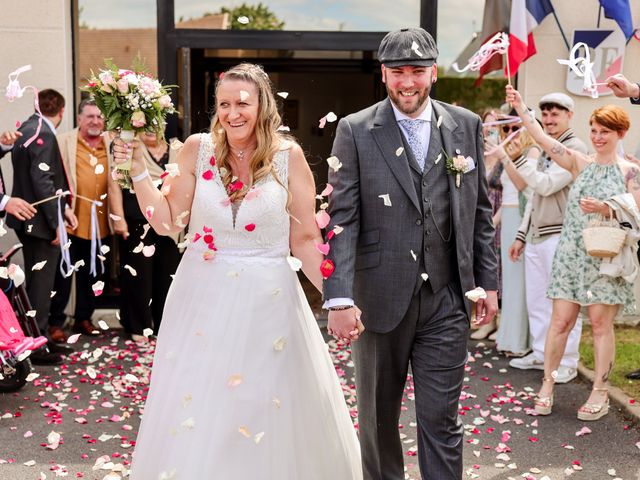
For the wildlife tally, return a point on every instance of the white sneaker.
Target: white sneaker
(528, 362)
(565, 374)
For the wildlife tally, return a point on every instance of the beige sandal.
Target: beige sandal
(590, 412)
(543, 405)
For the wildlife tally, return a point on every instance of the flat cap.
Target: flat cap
(408, 46)
(557, 98)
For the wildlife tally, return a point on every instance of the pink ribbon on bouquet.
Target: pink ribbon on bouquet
(14, 90)
(498, 44)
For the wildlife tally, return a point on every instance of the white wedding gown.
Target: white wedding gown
(242, 383)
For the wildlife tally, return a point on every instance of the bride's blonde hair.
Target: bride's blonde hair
(269, 139)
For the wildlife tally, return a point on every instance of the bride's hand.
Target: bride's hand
(356, 332)
(121, 154)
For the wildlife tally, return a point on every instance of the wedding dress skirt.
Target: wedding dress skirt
(242, 384)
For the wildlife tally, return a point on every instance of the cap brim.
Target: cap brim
(409, 63)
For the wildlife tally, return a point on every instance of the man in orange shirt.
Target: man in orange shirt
(85, 154)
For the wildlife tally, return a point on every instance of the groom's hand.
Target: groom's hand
(486, 308)
(342, 322)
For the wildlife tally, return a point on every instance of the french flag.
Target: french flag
(525, 16)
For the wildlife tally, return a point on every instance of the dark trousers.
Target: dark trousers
(142, 296)
(40, 282)
(80, 249)
(433, 338)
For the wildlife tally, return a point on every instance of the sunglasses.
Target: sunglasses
(509, 129)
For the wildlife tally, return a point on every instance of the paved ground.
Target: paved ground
(93, 403)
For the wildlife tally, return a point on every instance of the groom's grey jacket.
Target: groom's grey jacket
(432, 226)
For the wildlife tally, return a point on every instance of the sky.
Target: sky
(457, 19)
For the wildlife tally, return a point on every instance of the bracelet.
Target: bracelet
(140, 176)
(341, 307)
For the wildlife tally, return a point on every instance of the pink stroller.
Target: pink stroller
(14, 363)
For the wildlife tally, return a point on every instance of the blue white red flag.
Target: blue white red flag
(620, 11)
(525, 16)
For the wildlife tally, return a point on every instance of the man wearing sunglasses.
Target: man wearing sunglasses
(540, 232)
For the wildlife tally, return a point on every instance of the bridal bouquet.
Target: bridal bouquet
(132, 103)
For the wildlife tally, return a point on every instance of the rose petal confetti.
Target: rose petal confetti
(327, 190)
(334, 163)
(294, 263)
(234, 380)
(73, 338)
(279, 344)
(98, 287)
(385, 199)
(38, 266)
(244, 94)
(99, 169)
(322, 219)
(44, 167)
(399, 151)
(323, 248)
(132, 270)
(115, 218)
(283, 94)
(148, 250)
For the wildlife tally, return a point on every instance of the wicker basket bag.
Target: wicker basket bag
(603, 237)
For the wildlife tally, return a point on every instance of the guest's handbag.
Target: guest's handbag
(603, 237)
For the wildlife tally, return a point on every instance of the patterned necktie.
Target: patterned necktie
(412, 127)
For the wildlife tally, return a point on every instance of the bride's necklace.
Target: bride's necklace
(240, 154)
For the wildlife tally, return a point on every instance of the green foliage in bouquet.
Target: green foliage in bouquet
(130, 99)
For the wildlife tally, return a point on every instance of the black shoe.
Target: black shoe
(45, 357)
(60, 348)
(633, 375)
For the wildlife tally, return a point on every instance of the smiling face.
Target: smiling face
(237, 106)
(604, 139)
(556, 120)
(409, 86)
(90, 122)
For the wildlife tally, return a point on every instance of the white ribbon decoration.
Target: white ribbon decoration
(14, 90)
(504, 142)
(499, 43)
(583, 68)
(96, 242)
(65, 256)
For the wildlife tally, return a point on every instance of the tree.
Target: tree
(252, 17)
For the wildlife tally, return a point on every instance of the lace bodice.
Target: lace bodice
(260, 228)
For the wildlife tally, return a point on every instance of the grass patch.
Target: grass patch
(627, 357)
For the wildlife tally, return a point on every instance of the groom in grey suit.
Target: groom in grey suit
(414, 237)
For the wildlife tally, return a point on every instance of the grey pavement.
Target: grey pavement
(96, 411)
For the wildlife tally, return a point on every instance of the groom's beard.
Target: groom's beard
(411, 107)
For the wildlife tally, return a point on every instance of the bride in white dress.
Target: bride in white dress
(242, 384)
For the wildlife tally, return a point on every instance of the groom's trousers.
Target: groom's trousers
(432, 337)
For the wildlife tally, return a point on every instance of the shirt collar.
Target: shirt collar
(425, 115)
(49, 123)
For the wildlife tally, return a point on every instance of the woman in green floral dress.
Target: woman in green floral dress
(576, 281)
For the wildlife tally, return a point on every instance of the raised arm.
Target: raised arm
(166, 212)
(565, 157)
(304, 234)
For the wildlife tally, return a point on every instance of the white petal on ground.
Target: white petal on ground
(53, 440)
(30, 463)
(103, 325)
(294, 263)
(73, 338)
(334, 163)
(32, 376)
(38, 266)
(385, 199)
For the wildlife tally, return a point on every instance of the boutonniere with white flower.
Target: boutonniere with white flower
(458, 165)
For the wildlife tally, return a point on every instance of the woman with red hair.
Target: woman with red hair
(576, 278)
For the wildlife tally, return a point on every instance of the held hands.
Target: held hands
(591, 205)
(345, 324)
(486, 308)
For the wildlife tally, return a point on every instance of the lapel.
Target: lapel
(452, 139)
(388, 137)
